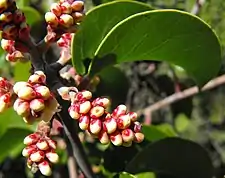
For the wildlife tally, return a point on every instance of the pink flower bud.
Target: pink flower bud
(26, 93)
(7, 45)
(97, 112)
(104, 102)
(36, 78)
(19, 85)
(55, 8)
(66, 20)
(3, 105)
(116, 138)
(29, 163)
(31, 139)
(133, 116)
(84, 122)
(10, 32)
(85, 107)
(18, 17)
(138, 137)
(51, 143)
(120, 110)
(52, 157)
(42, 145)
(103, 138)
(123, 121)
(77, 17)
(24, 31)
(127, 135)
(37, 156)
(43, 92)
(51, 19)
(37, 105)
(3, 5)
(23, 109)
(110, 125)
(29, 150)
(127, 144)
(6, 17)
(95, 126)
(73, 111)
(78, 6)
(45, 168)
(84, 95)
(137, 126)
(66, 8)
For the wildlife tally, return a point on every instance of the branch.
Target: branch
(181, 95)
(197, 6)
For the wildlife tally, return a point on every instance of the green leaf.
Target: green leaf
(31, 14)
(22, 3)
(21, 71)
(97, 23)
(165, 35)
(182, 122)
(173, 156)
(154, 133)
(145, 175)
(11, 140)
(126, 175)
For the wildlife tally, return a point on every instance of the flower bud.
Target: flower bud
(31, 139)
(37, 156)
(6, 17)
(73, 111)
(77, 17)
(43, 92)
(84, 95)
(138, 137)
(3, 106)
(18, 17)
(137, 126)
(104, 102)
(110, 125)
(55, 8)
(24, 31)
(36, 78)
(66, 8)
(3, 5)
(133, 116)
(10, 30)
(7, 45)
(29, 163)
(26, 93)
(52, 157)
(127, 144)
(95, 126)
(85, 107)
(103, 138)
(30, 119)
(116, 138)
(123, 121)
(127, 135)
(37, 105)
(66, 20)
(45, 168)
(51, 19)
(120, 110)
(78, 5)
(97, 112)
(42, 145)
(23, 109)
(84, 122)
(27, 151)
(19, 85)
(51, 143)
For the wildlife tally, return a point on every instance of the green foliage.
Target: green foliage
(31, 14)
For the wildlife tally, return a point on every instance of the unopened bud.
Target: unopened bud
(43, 91)
(42, 145)
(51, 143)
(52, 157)
(37, 105)
(85, 107)
(120, 110)
(123, 121)
(110, 125)
(3, 5)
(74, 112)
(18, 17)
(3, 106)
(7, 45)
(37, 78)
(66, 8)
(137, 126)
(77, 17)
(29, 163)
(84, 95)
(37, 156)
(84, 122)
(19, 85)
(66, 20)
(138, 137)
(10, 32)
(116, 138)
(97, 112)
(55, 8)
(104, 102)
(133, 116)
(23, 109)
(26, 93)
(77, 6)
(45, 168)
(103, 138)
(31, 139)
(27, 151)
(95, 126)
(51, 19)
(127, 135)
(6, 17)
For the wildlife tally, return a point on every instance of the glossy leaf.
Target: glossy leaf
(97, 23)
(126, 175)
(165, 35)
(31, 14)
(173, 156)
(141, 175)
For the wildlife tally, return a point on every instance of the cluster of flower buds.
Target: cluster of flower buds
(40, 152)
(6, 92)
(35, 102)
(14, 29)
(64, 16)
(120, 127)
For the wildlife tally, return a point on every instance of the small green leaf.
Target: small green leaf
(11, 140)
(145, 175)
(126, 175)
(97, 23)
(22, 3)
(173, 156)
(21, 71)
(173, 36)
(182, 122)
(31, 14)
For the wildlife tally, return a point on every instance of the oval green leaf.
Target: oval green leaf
(97, 23)
(165, 35)
(173, 156)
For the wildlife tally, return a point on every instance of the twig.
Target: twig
(181, 95)
(197, 6)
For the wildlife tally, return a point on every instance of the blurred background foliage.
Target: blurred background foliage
(200, 118)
